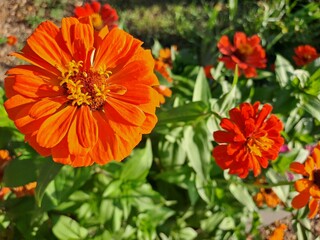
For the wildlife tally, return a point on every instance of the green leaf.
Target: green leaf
(284, 70)
(233, 7)
(212, 222)
(66, 228)
(47, 173)
(227, 224)
(186, 113)
(19, 172)
(312, 105)
(138, 164)
(242, 195)
(201, 90)
(198, 148)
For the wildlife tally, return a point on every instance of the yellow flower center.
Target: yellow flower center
(88, 87)
(245, 49)
(96, 20)
(256, 145)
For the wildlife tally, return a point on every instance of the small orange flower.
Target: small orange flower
(309, 186)
(246, 52)
(250, 139)
(11, 40)
(4, 159)
(267, 196)
(163, 69)
(100, 16)
(304, 54)
(4, 191)
(87, 97)
(26, 190)
(278, 233)
(163, 65)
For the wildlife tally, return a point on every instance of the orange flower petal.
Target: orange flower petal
(114, 47)
(46, 106)
(301, 200)
(313, 208)
(87, 128)
(124, 112)
(55, 127)
(47, 33)
(298, 168)
(302, 184)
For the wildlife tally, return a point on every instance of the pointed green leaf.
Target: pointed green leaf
(66, 228)
(138, 164)
(284, 70)
(186, 113)
(201, 90)
(47, 173)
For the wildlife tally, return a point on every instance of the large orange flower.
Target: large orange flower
(250, 139)
(304, 54)
(309, 186)
(246, 52)
(100, 16)
(87, 97)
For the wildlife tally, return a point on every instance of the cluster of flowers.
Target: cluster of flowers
(91, 92)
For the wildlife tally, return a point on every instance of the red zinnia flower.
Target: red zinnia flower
(309, 186)
(11, 40)
(304, 54)
(250, 139)
(100, 16)
(87, 97)
(246, 52)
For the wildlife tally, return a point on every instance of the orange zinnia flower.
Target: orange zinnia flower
(309, 186)
(250, 139)
(11, 40)
(246, 52)
(278, 233)
(267, 196)
(304, 54)
(87, 97)
(100, 16)
(163, 65)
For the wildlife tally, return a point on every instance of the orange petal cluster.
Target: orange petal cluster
(304, 54)
(278, 233)
(266, 195)
(12, 40)
(162, 65)
(309, 186)
(87, 96)
(100, 16)
(250, 138)
(4, 159)
(246, 52)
